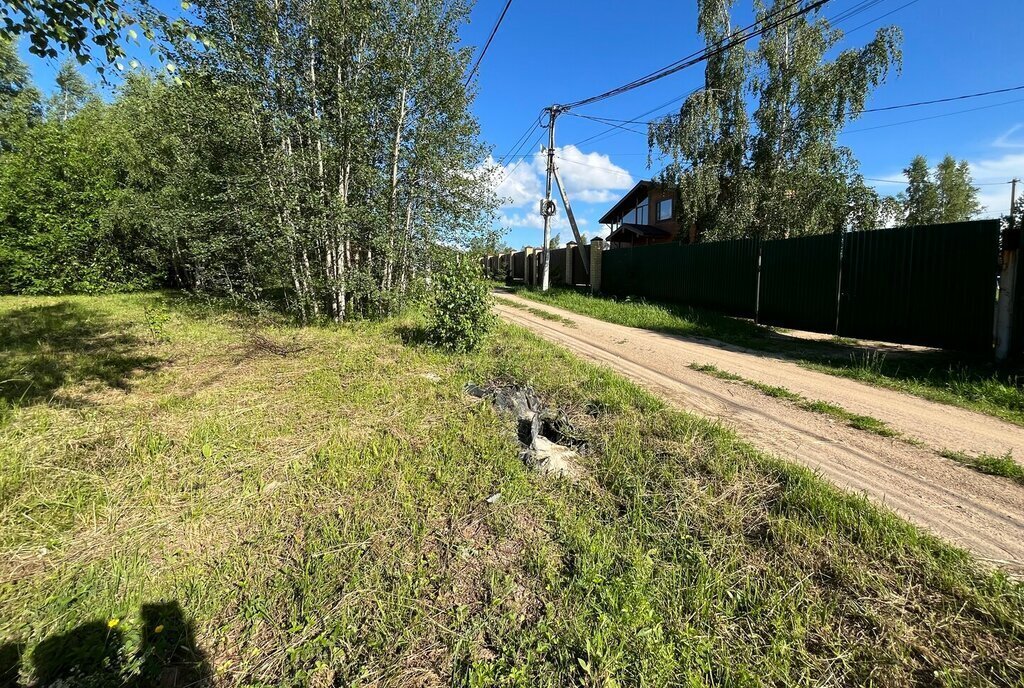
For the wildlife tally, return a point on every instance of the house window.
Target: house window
(665, 209)
(642, 217)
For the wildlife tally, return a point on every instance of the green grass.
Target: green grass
(854, 420)
(319, 517)
(965, 380)
(541, 313)
(1004, 466)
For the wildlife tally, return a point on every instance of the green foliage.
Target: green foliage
(459, 314)
(322, 190)
(946, 194)
(60, 191)
(20, 105)
(778, 171)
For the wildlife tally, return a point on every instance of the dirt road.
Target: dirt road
(982, 513)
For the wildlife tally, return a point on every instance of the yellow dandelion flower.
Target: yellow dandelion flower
(159, 629)
(113, 623)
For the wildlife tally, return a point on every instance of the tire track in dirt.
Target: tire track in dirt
(982, 513)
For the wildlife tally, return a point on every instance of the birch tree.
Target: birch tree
(755, 151)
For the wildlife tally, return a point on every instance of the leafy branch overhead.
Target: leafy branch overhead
(77, 27)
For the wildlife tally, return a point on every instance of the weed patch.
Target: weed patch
(1005, 466)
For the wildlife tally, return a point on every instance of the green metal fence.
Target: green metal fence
(933, 285)
(800, 282)
(720, 275)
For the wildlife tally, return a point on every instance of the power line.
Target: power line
(944, 100)
(881, 16)
(611, 121)
(904, 181)
(490, 38)
(922, 119)
(843, 16)
(741, 36)
(517, 146)
(508, 174)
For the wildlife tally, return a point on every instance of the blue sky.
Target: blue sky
(548, 52)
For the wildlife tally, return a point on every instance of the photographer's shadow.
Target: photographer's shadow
(94, 654)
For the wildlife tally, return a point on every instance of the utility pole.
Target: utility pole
(1007, 306)
(547, 206)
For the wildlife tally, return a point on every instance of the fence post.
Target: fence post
(570, 247)
(528, 265)
(1006, 304)
(596, 247)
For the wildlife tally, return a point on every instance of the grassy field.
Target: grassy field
(192, 495)
(961, 380)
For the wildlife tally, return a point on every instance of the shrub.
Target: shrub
(459, 315)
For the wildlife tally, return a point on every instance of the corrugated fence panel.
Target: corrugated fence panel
(800, 282)
(720, 275)
(932, 285)
(556, 264)
(616, 271)
(519, 265)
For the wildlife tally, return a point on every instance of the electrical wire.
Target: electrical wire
(843, 16)
(944, 100)
(881, 16)
(520, 141)
(490, 38)
(741, 36)
(611, 121)
(923, 119)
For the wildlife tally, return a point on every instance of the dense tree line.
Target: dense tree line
(319, 153)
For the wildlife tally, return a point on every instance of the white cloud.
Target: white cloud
(516, 183)
(591, 177)
(588, 178)
(1007, 139)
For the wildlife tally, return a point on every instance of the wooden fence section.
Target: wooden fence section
(930, 285)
